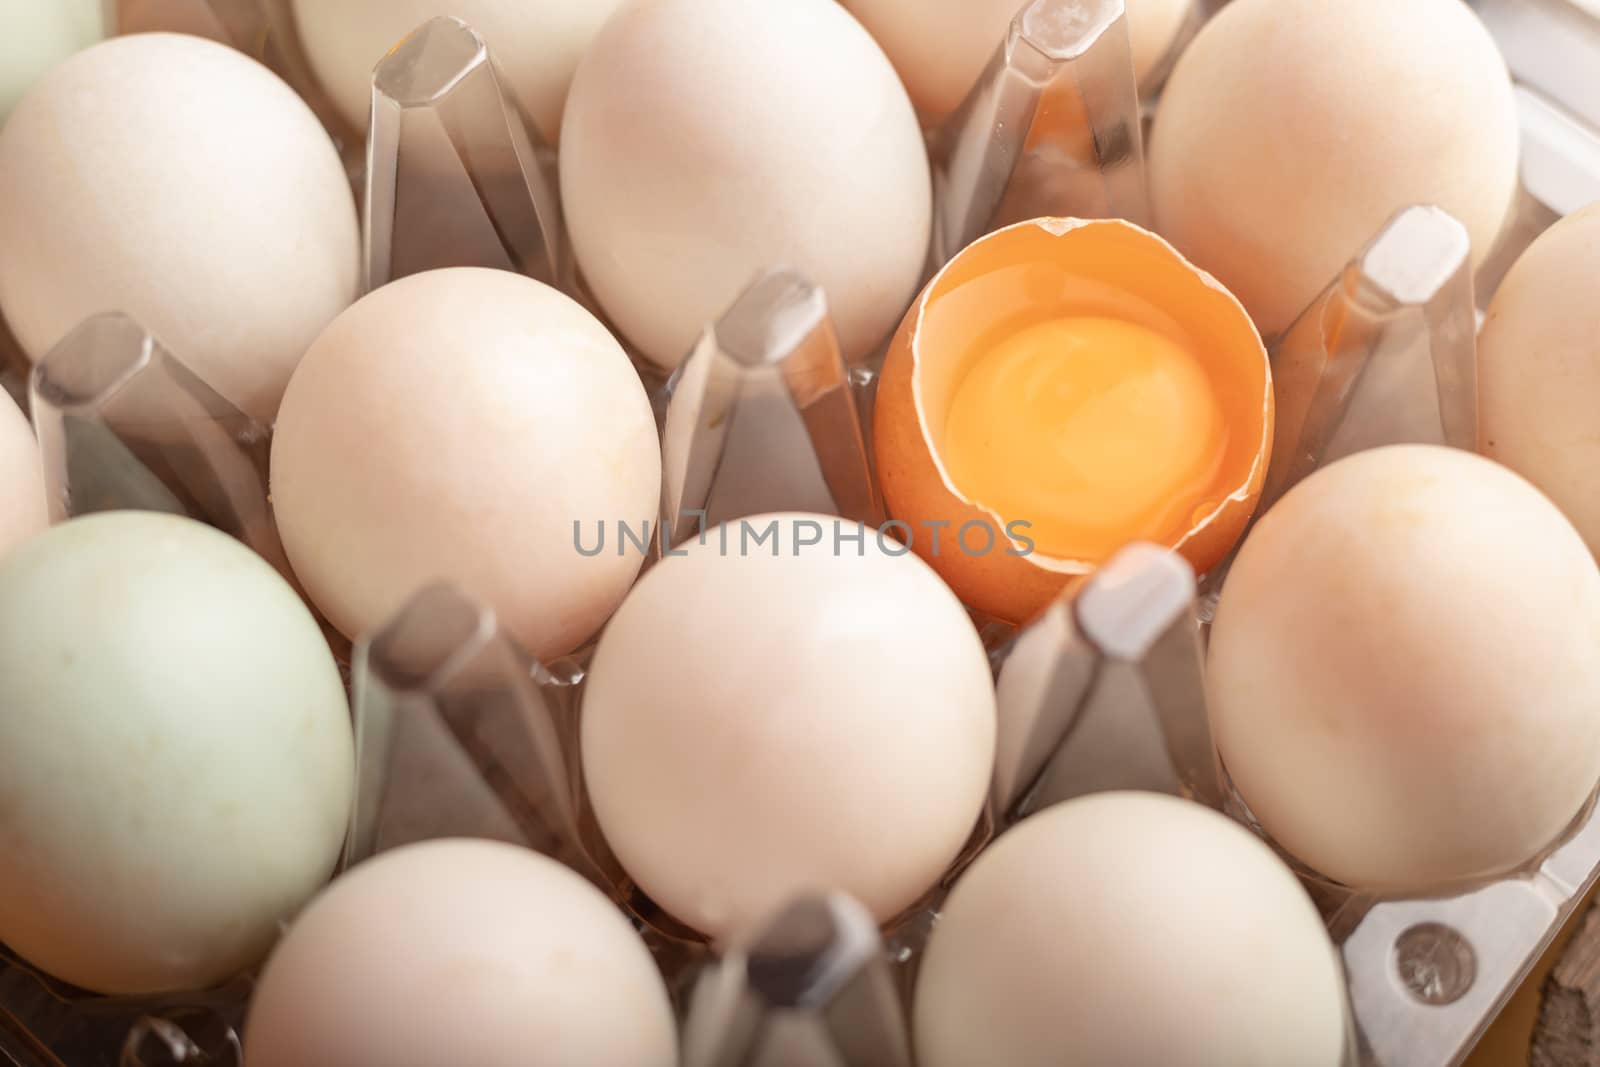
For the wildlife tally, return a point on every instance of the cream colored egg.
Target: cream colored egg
(1127, 930)
(23, 508)
(466, 424)
(176, 759)
(766, 716)
(1405, 670)
(176, 180)
(940, 47)
(35, 35)
(536, 45)
(1291, 130)
(708, 140)
(461, 952)
(1539, 370)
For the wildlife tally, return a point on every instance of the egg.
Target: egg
(456, 951)
(23, 507)
(782, 708)
(244, 28)
(941, 47)
(1539, 370)
(474, 425)
(38, 35)
(176, 759)
(1273, 171)
(706, 141)
(536, 46)
(176, 180)
(1126, 930)
(1403, 678)
(1063, 388)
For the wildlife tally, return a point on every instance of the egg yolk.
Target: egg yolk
(1093, 430)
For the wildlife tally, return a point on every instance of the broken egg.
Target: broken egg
(1061, 389)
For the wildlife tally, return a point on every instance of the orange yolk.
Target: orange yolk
(1093, 430)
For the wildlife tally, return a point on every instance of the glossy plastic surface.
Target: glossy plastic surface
(763, 417)
(1387, 355)
(1051, 129)
(456, 175)
(461, 733)
(812, 987)
(122, 423)
(1104, 692)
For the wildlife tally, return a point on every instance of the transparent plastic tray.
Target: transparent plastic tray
(459, 732)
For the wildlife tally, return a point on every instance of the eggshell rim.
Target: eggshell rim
(1060, 227)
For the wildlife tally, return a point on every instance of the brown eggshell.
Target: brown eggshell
(1104, 267)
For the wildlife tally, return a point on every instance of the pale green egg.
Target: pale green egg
(35, 35)
(176, 755)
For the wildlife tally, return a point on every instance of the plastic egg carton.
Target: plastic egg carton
(459, 732)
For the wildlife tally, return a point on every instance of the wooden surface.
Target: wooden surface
(1566, 1033)
(1560, 1033)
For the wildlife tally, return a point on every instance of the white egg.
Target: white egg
(708, 140)
(1539, 370)
(1405, 670)
(536, 45)
(175, 754)
(176, 180)
(23, 507)
(1292, 130)
(768, 717)
(1128, 930)
(461, 952)
(940, 47)
(35, 35)
(466, 424)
